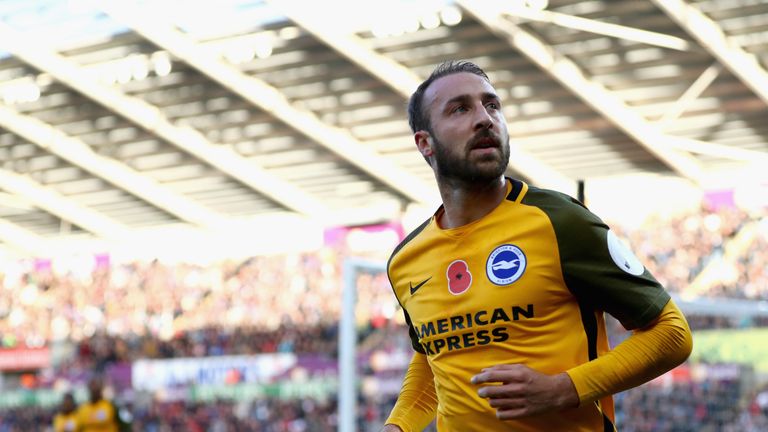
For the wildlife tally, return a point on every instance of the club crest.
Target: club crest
(506, 264)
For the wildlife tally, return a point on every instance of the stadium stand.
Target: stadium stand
(240, 308)
(213, 130)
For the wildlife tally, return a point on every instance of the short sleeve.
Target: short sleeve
(598, 268)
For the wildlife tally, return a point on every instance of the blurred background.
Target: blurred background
(187, 189)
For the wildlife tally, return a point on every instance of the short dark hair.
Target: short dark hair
(417, 118)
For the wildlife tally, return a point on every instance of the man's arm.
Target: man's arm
(417, 403)
(648, 353)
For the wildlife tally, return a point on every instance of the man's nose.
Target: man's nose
(483, 119)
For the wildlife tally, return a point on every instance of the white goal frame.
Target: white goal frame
(348, 339)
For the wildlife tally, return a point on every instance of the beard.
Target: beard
(466, 168)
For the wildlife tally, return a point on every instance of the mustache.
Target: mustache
(481, 137)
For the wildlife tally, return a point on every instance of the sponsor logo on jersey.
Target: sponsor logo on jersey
(623, 257)
(470, 329)
(505, 265)
(459, 277)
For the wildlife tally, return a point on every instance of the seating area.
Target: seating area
(111, 313)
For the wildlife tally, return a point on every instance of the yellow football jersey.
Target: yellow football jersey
(65, 422)
(528, 283)
(97, 417)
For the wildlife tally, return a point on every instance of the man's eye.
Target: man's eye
(460, 108)
(493, 105)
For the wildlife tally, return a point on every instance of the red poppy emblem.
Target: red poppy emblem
(459, 277)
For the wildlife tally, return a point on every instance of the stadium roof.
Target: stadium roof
(127, 114)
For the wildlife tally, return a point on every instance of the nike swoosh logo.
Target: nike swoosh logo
(416, 288)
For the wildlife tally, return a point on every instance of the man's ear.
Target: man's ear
(424, 143)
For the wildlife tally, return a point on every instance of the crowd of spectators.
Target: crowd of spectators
(263, 415)
(267, 415)
(675, 249)
(271, 294)
(41, 301)
(102, 348)
(710, 405)
(713, 405)
(114, 312)
(748, 273)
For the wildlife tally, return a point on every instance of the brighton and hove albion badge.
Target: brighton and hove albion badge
(506, 264)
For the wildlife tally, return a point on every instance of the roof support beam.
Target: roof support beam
(720, 151)
(594, 94)
(150, 118)
(80, 154)
(593, 26)
(22, 239)
(403, 81)
(306, 15)
(14, 201)
(701, 147)
(65, 208)
(270, 99)
(709, 34)
(691, 94)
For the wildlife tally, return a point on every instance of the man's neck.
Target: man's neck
(463, 204)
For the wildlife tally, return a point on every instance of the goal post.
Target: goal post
(348, 339)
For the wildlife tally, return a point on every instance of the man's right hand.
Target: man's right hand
(391, 428)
